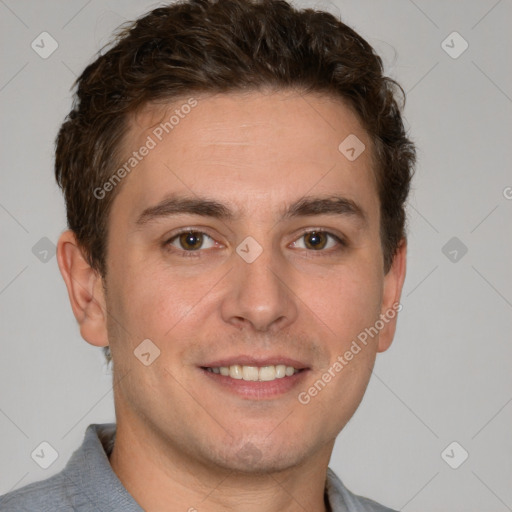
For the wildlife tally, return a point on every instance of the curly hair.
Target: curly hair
(208, 46)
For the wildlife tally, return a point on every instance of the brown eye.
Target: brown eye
(190, 243)
(315, 239)
(192, 240)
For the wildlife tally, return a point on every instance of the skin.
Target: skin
(180, 436)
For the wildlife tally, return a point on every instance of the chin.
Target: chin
(253, 457)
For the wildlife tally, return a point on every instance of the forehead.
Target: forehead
(247, 148)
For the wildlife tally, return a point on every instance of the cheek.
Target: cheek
(155, 301)
(347, 301)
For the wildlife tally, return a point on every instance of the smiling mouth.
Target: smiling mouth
(254, 373)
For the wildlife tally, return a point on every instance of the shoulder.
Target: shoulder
(86, 478)
(343, 499)
(52, 494)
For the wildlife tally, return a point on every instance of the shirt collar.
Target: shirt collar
(89, 468)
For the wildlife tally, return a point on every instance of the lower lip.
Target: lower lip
(257, 390)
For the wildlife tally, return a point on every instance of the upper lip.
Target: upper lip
(246, 360)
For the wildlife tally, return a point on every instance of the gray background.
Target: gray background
(446, 378)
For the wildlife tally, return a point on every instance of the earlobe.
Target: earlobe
(392, 290)
(85, 290)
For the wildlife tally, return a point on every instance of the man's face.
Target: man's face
(210, 300)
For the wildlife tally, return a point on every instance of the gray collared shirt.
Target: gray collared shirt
(88, 484)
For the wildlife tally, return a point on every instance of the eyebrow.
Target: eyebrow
(303, 207)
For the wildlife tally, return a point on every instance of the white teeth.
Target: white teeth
(280, 371)
(255, 373)
(235, 371)
(250, 373)
(267, 373)
(289, 371)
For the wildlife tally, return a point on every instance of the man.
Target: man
(235, 176)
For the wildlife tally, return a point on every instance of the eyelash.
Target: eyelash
(197, 253)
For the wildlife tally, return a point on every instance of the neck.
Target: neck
(160, 477)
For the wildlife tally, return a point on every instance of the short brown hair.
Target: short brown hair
(222, 46)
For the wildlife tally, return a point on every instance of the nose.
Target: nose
(260, 295)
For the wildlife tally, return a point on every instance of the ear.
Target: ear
(392, 290)
(85, 290)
